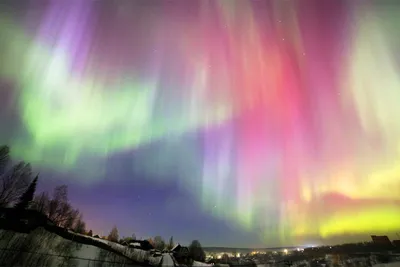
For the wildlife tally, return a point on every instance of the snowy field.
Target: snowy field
(200, 264)
(44, 248)
(47, 249)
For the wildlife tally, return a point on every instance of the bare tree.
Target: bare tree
(60, 193)
(14, 180)
(41, 202)
(71, 218)
(57, 203)
(159, 243)
(81, 229)
(171, 243)
(63, 214)
(80, 226)
(58, 208)
(113, 236)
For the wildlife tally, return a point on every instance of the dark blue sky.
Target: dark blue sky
(147, 209)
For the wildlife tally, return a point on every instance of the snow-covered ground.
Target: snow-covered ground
(135, 254)
(48, 249)
(200, 264)
(167, 260)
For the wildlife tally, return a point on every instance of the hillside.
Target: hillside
(28, 236)
(48, 249)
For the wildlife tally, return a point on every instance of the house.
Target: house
(178, 249)
(133, 244)
(141, 244)
(181, 254)
(381, 240)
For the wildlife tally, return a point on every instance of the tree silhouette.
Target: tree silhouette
(196, 252)
(80, 225)
(4, 158)
(14, 180)
(90, 233)
(58, 208)
(27, 197)
(171, 243)
(159, 243)
(225, 258)
(41, 202)
(113, 236)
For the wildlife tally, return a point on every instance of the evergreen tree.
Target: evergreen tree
(196, 252)
(90, 233)
(14, 179)
(27, 197)
(225, 258)
(4, 158)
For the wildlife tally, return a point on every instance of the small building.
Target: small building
(124, 242)
(141, 244)
(178, 249)
(133, 244)
(181, 254)
(381, 240)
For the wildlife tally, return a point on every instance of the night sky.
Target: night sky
(239, 123)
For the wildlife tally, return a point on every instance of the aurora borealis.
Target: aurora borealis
(282, 115)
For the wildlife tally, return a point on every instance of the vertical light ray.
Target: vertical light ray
(292, 108)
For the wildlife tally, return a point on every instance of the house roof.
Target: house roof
(176, 247)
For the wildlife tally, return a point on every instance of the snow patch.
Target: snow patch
(199, 264)
(49, 249)
(167, 260)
